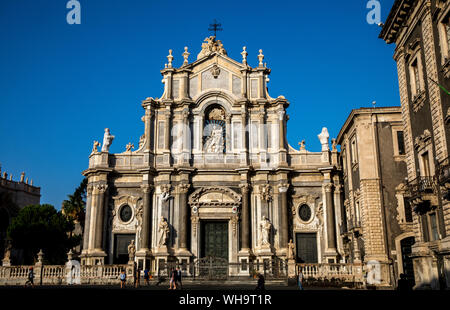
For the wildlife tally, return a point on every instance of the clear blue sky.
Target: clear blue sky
(61, 84)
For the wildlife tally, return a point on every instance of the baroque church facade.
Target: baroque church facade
(213, 175)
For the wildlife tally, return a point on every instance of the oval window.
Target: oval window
(125, 213)
(304, 211)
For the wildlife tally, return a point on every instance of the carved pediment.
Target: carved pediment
(422, 140)
(214, 195)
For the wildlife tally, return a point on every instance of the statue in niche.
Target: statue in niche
(265, 227)
(131, 251)
(107, 140)
(214, 143)
(163, 230)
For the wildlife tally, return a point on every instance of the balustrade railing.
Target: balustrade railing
(345, 272)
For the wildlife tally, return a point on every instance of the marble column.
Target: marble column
(281, 129)
(87, 220)
(331, 227)
(284, 215)
(99, 217)
(184, 215)
(146, 216)
(228, 135)
(167, 130)
(262, 134)
(245, 218)
(244, 146)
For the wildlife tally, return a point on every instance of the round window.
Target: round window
(125, 213)
(304, 211)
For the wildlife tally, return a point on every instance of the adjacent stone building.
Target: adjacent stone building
(421, 32)
(213, 175)
(376, 222)
(14, 195)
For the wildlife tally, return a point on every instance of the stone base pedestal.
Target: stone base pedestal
(245, 257)
(292, 272)
(6, 262)
(161, 259)
(184, 258)
(264, 257)
(330, 256)
(93, 258)
(143, 259)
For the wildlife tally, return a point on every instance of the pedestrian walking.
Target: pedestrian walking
(146, 276)
(123, 279)
(137, 278)
(260, 285)
(30, 280)
(173, 277)
(178, 278)
(300, 279)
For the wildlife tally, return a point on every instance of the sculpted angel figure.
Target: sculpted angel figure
(163, 230)
(95, 146)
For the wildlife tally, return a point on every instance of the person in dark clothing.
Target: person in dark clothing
(403, 283)
(178, 278)
(260, 285)
(173, 277)
(30, 280)
(137, 278)
(146, 276)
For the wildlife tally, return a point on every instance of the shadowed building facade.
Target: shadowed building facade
(377, 220)
(213, 175)
(421, 32)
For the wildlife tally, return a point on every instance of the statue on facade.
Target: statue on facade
(141, 140)
(95, 147)
(214, 143)
(7, 256)
(302, 145)
(107, 140)
(163, 230)
(131, 251)
(129, 146)
(265, 192)
(333, 144)
(265, 227)
(323, 138)
(290, 252)
(165, 193)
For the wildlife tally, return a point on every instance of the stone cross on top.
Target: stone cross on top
(215, 27)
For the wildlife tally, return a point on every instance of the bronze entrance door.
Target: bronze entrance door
(214, 251)
(214, 239)
(306, 248)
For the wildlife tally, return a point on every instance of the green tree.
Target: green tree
(75, 207)
(42, 227)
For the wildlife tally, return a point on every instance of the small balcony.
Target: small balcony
(354, 225)
(422, 186)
